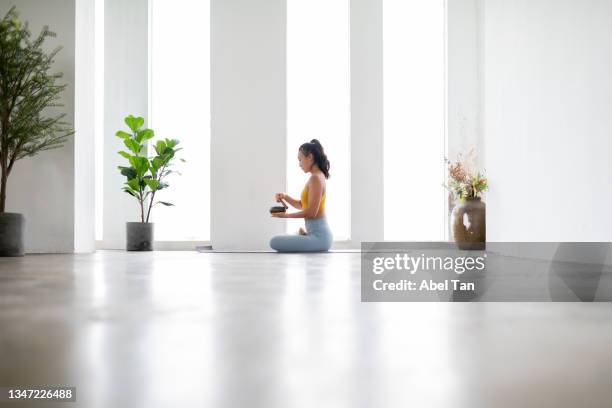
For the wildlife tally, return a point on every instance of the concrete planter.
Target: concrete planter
(11, 234)
(139, 236)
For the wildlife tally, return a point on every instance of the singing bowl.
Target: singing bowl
(277, 209)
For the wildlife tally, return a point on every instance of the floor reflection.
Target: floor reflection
(267, 330)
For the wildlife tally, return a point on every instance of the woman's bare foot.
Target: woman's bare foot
(302, 231)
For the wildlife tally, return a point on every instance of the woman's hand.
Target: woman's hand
(284, 197)
(279, 215)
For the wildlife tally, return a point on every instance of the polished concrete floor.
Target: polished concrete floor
(182, 329)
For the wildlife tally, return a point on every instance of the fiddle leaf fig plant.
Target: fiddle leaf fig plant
(145, 175)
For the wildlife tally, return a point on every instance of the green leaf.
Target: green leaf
(128, 172)
(171, 143)
(167, 156)
(134, 123)
(141, 164)
(166, 203)
(134, 184)
(156, 164)
(153, 184)
(123, 134)
(133, 145)
(130, 191)
(160, 147)
(125, 154)
(145, 134)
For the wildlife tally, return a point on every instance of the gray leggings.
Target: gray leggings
(318, 238)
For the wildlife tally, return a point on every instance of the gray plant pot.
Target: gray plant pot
(11, 234)
(139, 236)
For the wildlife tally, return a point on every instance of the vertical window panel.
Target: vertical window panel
(318, 100)
(180, 109)
(414, 147)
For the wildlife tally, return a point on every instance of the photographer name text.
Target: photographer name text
(423, 285)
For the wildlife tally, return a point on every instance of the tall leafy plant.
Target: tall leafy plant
(146, 175)
(28, 89)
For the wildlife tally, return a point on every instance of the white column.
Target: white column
(464, 77)
(367, 211)
(125, 92)
(248, 111)
(84, 142)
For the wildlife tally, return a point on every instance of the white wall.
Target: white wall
(125, 92)
(548, 119)
(42, 187)
(248, 110)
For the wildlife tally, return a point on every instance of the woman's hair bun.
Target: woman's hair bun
(315, 148)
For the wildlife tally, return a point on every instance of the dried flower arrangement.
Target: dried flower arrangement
(464, 180)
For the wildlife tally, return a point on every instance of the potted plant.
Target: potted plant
(27, 127)
(145, 176)
(468, 215)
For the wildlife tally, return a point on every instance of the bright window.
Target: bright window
(318, 100)
(180, 109)
(414, 146)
